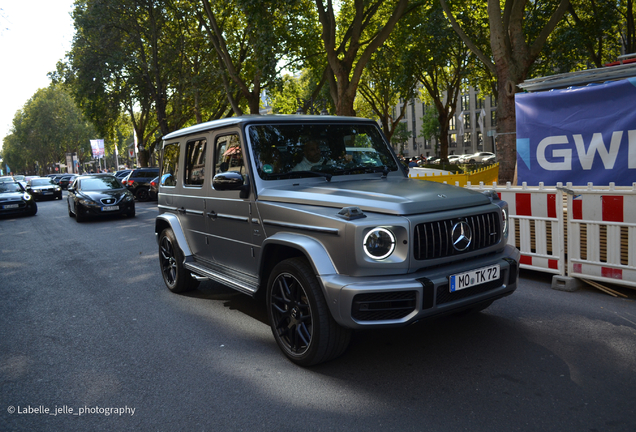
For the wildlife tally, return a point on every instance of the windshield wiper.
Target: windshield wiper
(301, 174)
(364, 170)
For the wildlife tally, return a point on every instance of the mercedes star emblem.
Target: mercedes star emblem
(462, 236)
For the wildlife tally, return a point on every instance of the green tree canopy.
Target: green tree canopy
(48, 126)
(517, 34)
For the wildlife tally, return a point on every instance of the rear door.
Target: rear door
(192, 200)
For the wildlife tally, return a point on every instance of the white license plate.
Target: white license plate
(8, 206)
(474, 277)
(110, 208)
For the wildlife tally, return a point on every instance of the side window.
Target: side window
(229, 156)
(194, 170)
(170, 165)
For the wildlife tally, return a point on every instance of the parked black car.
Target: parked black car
(14, 199)
(121, 174)
(66, 180)
(138, 182)
(56, 177)
(98, 195)
(43, 188)
(154, 188)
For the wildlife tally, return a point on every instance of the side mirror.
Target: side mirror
(70, 189)
(229, 180)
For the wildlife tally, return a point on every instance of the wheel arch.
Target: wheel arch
(282, 246)
(167, 220)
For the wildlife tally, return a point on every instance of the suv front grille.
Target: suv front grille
(434, 239)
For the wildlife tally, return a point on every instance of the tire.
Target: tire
(299, 316)
(175, 275)
(33, 210)
(142, 194)
(131, 213)
(79, 216)
(70, 213)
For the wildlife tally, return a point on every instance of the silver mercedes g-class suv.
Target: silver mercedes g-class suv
(317, 214)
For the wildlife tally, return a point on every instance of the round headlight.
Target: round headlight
(379, 243)
(26, 196)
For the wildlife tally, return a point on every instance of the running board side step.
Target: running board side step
(202, 273)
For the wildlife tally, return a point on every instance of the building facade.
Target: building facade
(472, 109)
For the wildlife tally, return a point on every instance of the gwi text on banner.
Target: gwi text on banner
(579, 135)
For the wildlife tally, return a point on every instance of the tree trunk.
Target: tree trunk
(143, 156)
(506, 141)
(443, 135)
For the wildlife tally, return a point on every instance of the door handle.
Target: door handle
(181, 210)
(212, 215)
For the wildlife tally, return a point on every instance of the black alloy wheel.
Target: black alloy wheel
(33, 209)
(175, 275)
(79, 213)
(299, 316)
(142, 194)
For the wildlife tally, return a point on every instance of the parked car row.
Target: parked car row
(479, 157)
(88, 194)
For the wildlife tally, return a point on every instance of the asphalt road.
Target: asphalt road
(86, 324)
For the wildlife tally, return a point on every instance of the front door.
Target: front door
(232, 223)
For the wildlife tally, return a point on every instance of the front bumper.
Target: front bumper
(124, 208)
(24, 207)
(46, 194)
(398, 300)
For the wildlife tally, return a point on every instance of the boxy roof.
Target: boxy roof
(291, 118)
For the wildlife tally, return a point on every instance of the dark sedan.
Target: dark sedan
(66, 180)
(15, 200)
(43, 188)
(99, 195)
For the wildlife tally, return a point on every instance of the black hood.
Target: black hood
(12, 196)
(98, 196)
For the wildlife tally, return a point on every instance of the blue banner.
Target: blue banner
(579, 135)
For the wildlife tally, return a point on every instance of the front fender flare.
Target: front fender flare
(316, 254)
(173, 222)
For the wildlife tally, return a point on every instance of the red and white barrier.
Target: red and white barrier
(602, 224)
(537, 211)
(601, 229)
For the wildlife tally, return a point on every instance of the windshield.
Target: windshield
(10, 187)
(99, 183)
(302, 150)
(41, 182)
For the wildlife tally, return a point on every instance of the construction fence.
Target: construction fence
(586, 232)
